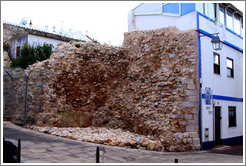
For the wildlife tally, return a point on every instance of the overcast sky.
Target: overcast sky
(105, 21)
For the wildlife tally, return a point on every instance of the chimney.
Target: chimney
(46, 28)
(54, 29)
(30, 24)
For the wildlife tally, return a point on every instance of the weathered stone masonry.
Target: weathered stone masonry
(148, 86)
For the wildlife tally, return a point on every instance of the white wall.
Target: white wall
(147, 22)
(221, 85)
(33, 39)
(226, 131)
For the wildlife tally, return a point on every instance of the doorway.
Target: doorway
(217, 125)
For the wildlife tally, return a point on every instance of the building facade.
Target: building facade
(220, 71)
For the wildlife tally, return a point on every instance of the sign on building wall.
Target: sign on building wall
(208, 95)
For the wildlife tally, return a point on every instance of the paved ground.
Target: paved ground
(234, 150)
(42, 148)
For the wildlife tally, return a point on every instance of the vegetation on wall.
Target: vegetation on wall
(31, 54)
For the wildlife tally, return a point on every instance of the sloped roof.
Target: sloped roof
(41, 32)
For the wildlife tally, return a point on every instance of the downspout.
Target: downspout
(200, 84)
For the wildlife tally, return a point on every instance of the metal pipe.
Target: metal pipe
(19, 151)
(11, 105)
(25, 111)
(41, 98)
(12, 86)
(97, 155)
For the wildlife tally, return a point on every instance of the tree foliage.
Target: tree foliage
(31, 54)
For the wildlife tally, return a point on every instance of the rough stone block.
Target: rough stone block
(186, 134)
(190, 92)
(192, 98)
(183, 123)
(196, 147)
(196, 141)
(188, 116)
(191, 85)
(178, 135)
(187, 104)
(189, 140)
(193, 134)
(190, 128)
(192, 122)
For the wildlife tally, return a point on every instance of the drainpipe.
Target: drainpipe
(200, 82)
(200, 91)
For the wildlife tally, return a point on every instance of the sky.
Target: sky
(105, 21)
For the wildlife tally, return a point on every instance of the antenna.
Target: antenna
(24, 21)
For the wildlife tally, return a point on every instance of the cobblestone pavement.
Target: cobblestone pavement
(43, 148)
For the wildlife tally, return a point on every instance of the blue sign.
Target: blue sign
(208, 95)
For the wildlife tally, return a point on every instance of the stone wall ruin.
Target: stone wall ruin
(148, 86)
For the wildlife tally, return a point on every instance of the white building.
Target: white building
(16, 35)
(220, 72)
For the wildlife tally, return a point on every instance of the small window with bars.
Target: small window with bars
(232, 116)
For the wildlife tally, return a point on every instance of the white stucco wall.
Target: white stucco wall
(223, 86)
(226, 131)
(147, 22)
(33, 39)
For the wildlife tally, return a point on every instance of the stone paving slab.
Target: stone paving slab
(43, 148)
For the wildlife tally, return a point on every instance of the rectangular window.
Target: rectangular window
(216, 63)
(242, 27)
(201, 8)
(18, 52)
(211, 12)
(222, 14)
(229, 22)
(171, 8)
(237, 24)
(230, 70)
(232, 116)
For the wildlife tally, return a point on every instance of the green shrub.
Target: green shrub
(77, 45)
(31, 54)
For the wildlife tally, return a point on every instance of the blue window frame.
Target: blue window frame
(171, 8)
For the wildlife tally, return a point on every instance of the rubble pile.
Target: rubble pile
(149, 86)
(101, 135)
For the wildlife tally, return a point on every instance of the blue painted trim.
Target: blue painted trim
(225, 42)
(199, 56)
(200, 90)
(232, 141)
(228, 141)
(218, 97)
(206, 33)
(233, 46)
(234, 33)
(200, 117)
(210, 19)
(208, 145)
